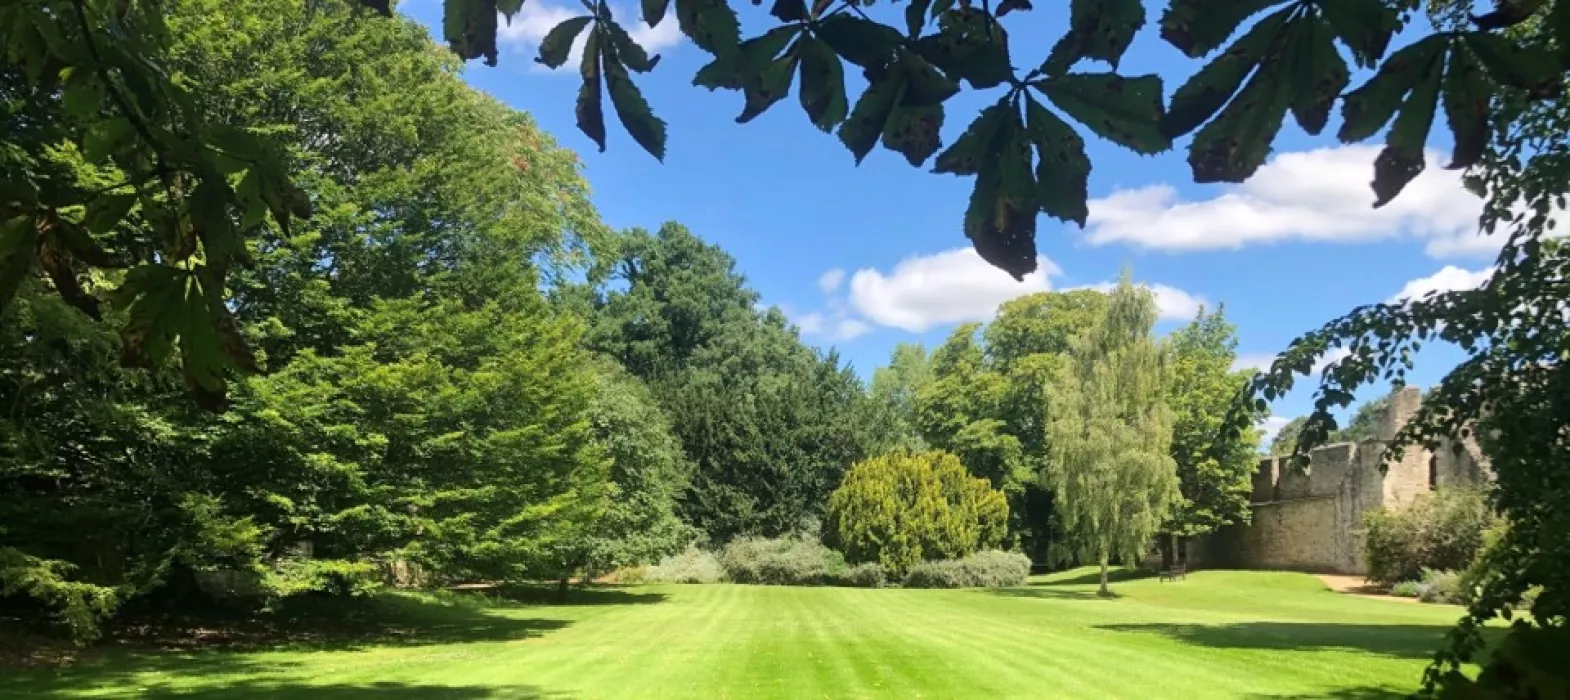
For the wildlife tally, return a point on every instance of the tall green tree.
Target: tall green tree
(769, 423)
(400, 334)
(1110, 432)
(1214, 466)
(893, 392)
(637, 522)
(984, 402)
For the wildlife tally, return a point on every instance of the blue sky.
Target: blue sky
(864, 257)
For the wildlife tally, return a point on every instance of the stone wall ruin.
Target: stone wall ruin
(1312, 519)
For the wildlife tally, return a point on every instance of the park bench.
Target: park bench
(1176, 572)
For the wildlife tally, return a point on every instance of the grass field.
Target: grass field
(1215, 635)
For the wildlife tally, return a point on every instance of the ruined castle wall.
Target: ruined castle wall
(1312, 519)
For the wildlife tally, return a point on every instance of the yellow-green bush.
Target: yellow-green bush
(901, 509)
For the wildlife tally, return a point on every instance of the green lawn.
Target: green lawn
(1215, 635)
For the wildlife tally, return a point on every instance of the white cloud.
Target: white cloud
(1335, 355)
(830, 281)
(849, 328)
(1318, 195)
(836, 325)
(810, 324)
(948, 287)
(1172, 304)
(955, 286)
(1448, 279)
(1269, 427)
(1262, 361)
(1259, 361)
(535, 19)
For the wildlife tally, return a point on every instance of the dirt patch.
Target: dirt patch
(1359, 586)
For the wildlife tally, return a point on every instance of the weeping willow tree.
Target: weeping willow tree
(1110, 431)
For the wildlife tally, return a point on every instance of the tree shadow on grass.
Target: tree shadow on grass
(339, 624)
(1403, 641)
(1049, 593)
(597, 594)
(1369, 693)
(286, 689)
(1094, 577)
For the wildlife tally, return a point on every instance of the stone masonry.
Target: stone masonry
(1312, 520)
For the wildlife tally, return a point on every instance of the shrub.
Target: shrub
(868, 575)
(795, 561)
(1442, 530)
(335, 577)
(903, 508)
(1442, 587)
(691, 566)
(992, 569)
(631, 575)
(1406, 589)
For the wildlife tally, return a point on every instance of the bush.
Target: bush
(868, 575)
(991, 569)
(1407, 589)
(691, 566)
(1442, 587)
(1443, 530)
(795, 561)
(631, 575)
(900, 509)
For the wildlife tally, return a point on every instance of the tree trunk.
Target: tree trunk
(561, 589)
(1165, 539)
(1182, 551)
(1104, 592)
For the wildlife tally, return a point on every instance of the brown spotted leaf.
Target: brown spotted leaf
(822, 84)
(628, 52)
(711, 24)
(925, 85)
(966, 155)
(590, 110)
(970, 46)
(1402, 159)
(1364, 27)
(634, 112)
(731, 71)
(1467, 95)
(1098, 29)
(558, 41)
(654, 11)
(1126, 111)
(470, 28)
(914, 132)
(1367, 109)
(1206, 91)
(1062, 168)
(1319, 73)
(771, 86)
(790, 10)
(861, 130)
(1197, 27)
(1001, 218)
(863, 42)
(1234, 144)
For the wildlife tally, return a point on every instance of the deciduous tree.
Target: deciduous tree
(1213, 465)
(1109, 430)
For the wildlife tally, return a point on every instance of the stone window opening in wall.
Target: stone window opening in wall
(1433, 472)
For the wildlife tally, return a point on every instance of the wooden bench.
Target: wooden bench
(1178, 571)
